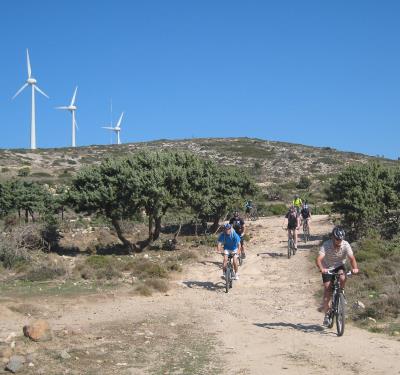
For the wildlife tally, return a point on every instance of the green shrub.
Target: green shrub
(304, 183)
(160, 285)
(5, 170)
(45, 272)
(24, 172)
(143, 290)
(144, 269)
(109, 272)
(274, 209)
(377, 284)
(12, 255)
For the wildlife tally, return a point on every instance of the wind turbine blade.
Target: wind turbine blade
(73, 98)
(28, 64)
(37, 89)
(19, 91)
(64, 107)
(120, 120)
(76, 125)
(107, 127)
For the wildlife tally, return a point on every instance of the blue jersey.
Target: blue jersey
(231, 242)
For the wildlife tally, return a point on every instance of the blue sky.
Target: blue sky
(313, 72)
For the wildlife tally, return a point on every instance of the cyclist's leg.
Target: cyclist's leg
(235, 262)
(295, 237)
(327, 282)
(242, 247)
(327, 296)
(225, 261)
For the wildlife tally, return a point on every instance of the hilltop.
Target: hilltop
(276, 166)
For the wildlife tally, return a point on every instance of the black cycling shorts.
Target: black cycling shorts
(292, 227)
(326, 277)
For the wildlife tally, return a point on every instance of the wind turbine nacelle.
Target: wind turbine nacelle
(31, 81)
(72, 107)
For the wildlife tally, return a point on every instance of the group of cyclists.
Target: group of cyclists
(298, 214)
(331, 258)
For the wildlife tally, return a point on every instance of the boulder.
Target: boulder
(15, 363)
(38, 331)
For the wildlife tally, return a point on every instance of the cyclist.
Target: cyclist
(333, 255)
(306, 214)
(229, 241)
(297, 202)
(248, 207)
(292, 222)
(238, 225)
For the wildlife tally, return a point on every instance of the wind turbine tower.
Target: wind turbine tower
(31, 81)
(117, 128)
(72, 108)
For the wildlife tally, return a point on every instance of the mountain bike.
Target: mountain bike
(338, 308)
(253, 214)
(290, 247)
(306, 231)
(229, 273)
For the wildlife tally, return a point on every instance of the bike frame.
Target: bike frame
(337, 291)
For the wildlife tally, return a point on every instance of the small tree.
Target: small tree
(365, 195)
(111, 189)
(6, 199)
(215, 190)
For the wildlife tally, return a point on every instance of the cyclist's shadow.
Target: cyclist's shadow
(208, 285)
(306, 328)
(272, 254)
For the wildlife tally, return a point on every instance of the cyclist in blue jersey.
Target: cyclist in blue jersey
(229, 242)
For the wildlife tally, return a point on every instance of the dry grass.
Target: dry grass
(377, 286)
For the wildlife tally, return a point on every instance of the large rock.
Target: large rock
(15, 364)
(38, 331)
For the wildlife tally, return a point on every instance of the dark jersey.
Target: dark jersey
(238, 224)
(292, 219)
(305, 213)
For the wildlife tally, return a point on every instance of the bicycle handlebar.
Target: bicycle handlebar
(330, 272)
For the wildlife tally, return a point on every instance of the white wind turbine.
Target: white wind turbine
(117, 128)
(72, 108)
(31, 81)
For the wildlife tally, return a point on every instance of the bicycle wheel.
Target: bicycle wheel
(240, 259)
(289, 248)
(340, 314)
(227, 278)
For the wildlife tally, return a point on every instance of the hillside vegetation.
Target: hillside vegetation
(276, 166)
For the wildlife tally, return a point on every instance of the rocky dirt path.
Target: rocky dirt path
(267, 324)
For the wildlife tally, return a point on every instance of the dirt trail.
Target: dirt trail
(272, 308)
(267, 324)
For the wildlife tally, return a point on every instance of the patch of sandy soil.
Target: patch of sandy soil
(267, 324)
